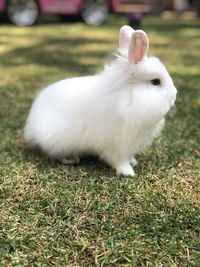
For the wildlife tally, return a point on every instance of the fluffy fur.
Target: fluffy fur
(115, 114)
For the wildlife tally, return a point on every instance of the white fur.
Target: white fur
(114, 114)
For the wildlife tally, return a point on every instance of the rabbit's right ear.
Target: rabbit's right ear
(139, 45)
(125, 36)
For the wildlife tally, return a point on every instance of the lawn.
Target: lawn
(54, 215)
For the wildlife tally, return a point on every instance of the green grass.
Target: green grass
(54, 215)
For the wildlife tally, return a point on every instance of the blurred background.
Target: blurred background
(27, 12)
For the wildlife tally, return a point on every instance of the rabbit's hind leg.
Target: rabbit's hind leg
(69, 160)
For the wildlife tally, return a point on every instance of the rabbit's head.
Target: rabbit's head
(151, 88)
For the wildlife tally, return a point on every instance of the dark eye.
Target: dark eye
(155, 82)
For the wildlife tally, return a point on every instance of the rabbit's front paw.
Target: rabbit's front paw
(125, 169)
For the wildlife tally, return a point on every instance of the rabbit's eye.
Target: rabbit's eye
(155, 82)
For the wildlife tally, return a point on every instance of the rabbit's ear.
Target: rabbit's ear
(138, 48)
(125, 34)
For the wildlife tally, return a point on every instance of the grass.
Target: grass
(53, 215)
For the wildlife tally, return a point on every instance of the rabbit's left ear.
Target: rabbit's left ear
(139, 46)
(125, 36)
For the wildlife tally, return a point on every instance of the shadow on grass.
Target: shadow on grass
(59, 52)
(91, 165)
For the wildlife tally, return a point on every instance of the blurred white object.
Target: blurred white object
(181, 5)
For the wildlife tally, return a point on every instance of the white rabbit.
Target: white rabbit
(114, 114)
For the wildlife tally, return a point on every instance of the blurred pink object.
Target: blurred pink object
(26, 12)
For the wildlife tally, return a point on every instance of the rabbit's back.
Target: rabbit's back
(71, 115)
